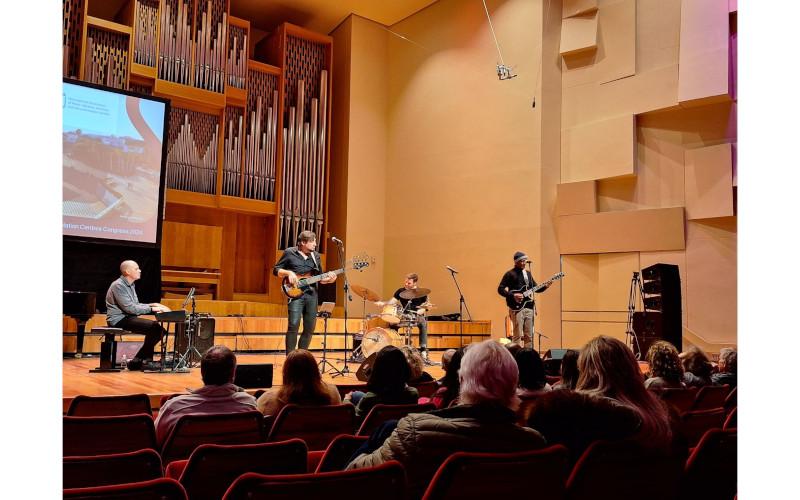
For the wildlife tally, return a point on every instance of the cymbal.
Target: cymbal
(414, 293)
(365, 293)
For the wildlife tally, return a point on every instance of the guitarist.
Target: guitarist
(295, 263)
(518, 278)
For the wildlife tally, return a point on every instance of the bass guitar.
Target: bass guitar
(527, 293)
(357, 263)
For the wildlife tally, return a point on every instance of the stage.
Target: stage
(77, 379)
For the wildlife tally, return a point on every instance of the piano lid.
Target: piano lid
(78, 303)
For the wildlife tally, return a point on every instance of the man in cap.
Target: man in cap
(521, 309)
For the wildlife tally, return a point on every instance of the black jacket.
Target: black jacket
(513, 280)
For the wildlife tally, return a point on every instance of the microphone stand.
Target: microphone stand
(347, 298)
(462, 304)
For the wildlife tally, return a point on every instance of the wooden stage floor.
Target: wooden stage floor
(77, 379)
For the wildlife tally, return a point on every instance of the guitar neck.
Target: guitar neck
(313, 279)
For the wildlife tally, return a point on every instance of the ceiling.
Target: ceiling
(321, 16)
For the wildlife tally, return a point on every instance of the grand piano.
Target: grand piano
(81, 307)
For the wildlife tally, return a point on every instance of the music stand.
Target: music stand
(324, 312)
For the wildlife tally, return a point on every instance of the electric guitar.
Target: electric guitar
(527, 293)
(358, 263)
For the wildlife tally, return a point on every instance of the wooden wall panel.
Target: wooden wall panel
(578, 35)
(251, 249)
(630, 231)
(709, 182)
(598, 150)
(579, 287)
(704, 61)
(191, 245)
(576, 334)
(615, 271)
(615, 56)
(571, 8)
(576, 198)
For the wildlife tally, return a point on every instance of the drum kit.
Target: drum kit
(404, 319)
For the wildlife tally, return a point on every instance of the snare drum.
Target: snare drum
(378, 338)
(391, 313)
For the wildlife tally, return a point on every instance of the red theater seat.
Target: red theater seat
(107, 435)
(156, 489)
(501, 475)
(386, 481)
(336, 456)
(380, 413)
(710, 397)
(316, 425)
(109, 406)
(118, 468)
(695, 423)
(710, 472)
(228, 428)
(680, 399)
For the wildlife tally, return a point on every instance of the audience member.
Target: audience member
(483, 422)
(447, 394)
(666, 369)
(532, 378)
(416, 365)
(727, 368)
(696, 367)
(569, 371)
(218, 395)
(387, 382)
(302, 385)
(513, 347)
(446, 357)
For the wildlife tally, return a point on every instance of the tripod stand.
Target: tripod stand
(324, 361)
(630, 335)
(186, 360)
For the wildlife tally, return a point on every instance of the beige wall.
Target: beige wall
(464, 177)
(443, 164)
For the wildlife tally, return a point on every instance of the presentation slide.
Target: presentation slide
(112, 148)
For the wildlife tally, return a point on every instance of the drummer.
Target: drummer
(417, 305)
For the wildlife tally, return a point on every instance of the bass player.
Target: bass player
(295, 263)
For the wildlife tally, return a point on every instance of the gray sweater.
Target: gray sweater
(122, 302)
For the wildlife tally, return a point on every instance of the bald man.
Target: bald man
(123, 310)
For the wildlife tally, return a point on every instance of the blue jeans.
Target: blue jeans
(305, 307)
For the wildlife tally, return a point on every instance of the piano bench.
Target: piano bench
(109, 333)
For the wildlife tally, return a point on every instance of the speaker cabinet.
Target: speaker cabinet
(204, 335)
(662, 299)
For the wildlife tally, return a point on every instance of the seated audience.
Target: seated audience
(532, 378)
(696, 367)
(666, 369)
(387, 382)
(483, 422)
(218, 395)
(447, 394)
(609, 402)
(513, 347)
(302, 385)
(727, 368)
(569, 371)
(417, 366)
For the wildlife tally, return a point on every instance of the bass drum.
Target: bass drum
(378, 338)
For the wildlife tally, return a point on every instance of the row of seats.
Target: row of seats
(705, 398)
(316, 426)
(619, 470)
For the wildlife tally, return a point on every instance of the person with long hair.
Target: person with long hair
(387, 382)
(569, 371)
(532, 378)
(696, 367)
(302, 385)
(666, 369)
(447, 394)
(417, 366)
(609, 402)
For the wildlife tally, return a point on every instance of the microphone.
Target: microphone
(529, 262)
(451, 270)
(336, 240)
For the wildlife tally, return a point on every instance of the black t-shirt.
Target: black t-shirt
(293, 260)
(415, 303)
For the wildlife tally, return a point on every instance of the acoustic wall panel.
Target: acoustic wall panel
(576, 198)
(615, 56)
(649, 230)
(576, 334)
(599, 150)
(703, 60)
(709, 182)
(571, 8)
(578, 34)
